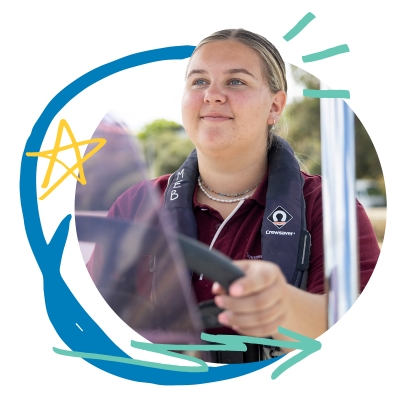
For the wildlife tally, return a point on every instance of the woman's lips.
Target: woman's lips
(216, 118)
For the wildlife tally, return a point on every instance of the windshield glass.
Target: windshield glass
(131, 255)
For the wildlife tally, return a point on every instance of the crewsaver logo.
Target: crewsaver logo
(279, 217)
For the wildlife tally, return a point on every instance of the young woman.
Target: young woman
(242, 192)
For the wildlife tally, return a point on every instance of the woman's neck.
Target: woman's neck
(232, 175)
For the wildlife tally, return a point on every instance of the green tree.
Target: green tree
(165, 145)
(159, 127)
(304, 134)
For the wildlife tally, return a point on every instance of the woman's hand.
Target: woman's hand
(258, 302)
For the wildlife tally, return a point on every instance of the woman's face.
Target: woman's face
(226, 103)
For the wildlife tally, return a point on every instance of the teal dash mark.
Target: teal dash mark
(326, 94)
(217, 343)
(299, 26)
(334, 51)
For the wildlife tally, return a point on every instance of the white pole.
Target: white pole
(339, 207)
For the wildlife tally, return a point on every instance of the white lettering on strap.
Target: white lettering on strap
(177, 184)
(174, 195)
(279, 233)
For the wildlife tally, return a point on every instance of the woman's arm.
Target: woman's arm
(262, 300)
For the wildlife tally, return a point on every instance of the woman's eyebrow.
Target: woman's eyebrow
(196, 71)
(237, 71)
(227, 72)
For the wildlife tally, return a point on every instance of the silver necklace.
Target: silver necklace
(199, 180)
(227, 195)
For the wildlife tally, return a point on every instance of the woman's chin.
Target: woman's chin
(215, 147)
(214, 141)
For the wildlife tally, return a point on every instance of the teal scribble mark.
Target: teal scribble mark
(237, 343)
(326, 94)
(299, 26)
(200, 367)
(306, 344)
(334, 51)
(226, 343)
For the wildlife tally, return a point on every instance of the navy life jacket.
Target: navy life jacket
(284, 236)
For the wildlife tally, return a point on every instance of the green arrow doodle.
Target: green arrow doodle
(226, 343)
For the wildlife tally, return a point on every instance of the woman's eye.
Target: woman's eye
(200, 82)
(235, 82)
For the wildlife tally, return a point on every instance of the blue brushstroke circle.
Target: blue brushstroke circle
(63, 309)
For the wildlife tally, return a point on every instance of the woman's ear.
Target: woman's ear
(277, 106)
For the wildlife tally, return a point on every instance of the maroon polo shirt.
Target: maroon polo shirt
(240, 238)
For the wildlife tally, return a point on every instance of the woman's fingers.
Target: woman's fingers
(259, 275)
(251, 320)
(217, 289)
(253, 303)
(257, 303)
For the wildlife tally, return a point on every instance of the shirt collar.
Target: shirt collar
(260, 194)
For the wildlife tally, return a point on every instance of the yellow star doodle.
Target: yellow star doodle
(52, 156)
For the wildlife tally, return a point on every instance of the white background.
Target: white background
(47, 45)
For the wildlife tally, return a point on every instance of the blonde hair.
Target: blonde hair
(273, 67)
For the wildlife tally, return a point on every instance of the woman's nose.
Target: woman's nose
(214, 95)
